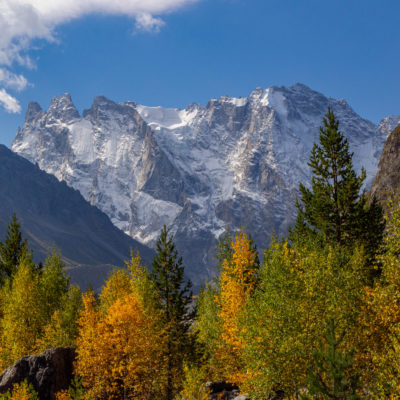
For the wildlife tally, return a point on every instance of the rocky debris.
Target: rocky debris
(224, 391)
(48, 372)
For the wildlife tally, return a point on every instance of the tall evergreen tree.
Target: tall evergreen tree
(13, 250)
(175, 299)
(333, 376)
(335, 209)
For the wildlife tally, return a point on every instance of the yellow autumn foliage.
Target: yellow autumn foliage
(379, 335)
(22, 321)
(21, 391)
(119, 343)
(237, 281)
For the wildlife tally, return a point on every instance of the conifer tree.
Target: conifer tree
(175, 300)
(333, 376)
(13, 250)
(334, 208)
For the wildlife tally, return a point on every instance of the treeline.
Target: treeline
(318, 318)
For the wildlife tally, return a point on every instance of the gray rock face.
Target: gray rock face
(386, 184)
(48, 372)
(236, 162)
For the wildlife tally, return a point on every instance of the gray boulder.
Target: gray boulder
(224, 391)
(48, 372)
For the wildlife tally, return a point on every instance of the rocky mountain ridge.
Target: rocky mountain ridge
(235, 162)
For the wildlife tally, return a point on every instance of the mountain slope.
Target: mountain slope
(235, 162)
(386, 184)
(51, 213)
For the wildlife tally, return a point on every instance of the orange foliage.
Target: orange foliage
(63, 395)
(117, 286)
(237, 282)
(118, 349)
(21, 391)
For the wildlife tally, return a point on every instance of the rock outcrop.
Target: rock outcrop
(48, 372)
(386, 184)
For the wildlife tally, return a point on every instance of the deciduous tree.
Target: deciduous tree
(118, 350)
(300, 289)
(236, 283)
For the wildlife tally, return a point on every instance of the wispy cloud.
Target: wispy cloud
(22, 21)
(12, 81)
(147, 23)
(9, 102)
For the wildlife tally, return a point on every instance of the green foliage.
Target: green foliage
(76, 391)
(208, 331)
(194, 384)
(334, 208)
(224, 249)
(381, 319)
(62, 329)
(333, 375)
(22, 320)
(53, 284)
(21, 391)
(168, 277)
(175, 300)
(39, 310)
(299, 288)
(13, 250)
(207, 321)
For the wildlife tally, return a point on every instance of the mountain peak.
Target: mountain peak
(103, 108)
(388, 124)
(101, 100)
(300, 86)
(63, 108)
(33, 110)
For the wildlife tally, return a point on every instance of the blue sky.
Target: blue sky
(175, 52)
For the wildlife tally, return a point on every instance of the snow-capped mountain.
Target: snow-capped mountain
(236, 162)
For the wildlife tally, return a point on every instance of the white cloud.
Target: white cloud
(22, 21)
(12, 81)
(61, 10)
(9, 102)
(147, 23)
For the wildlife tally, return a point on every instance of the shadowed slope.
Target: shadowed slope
(51, 213)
